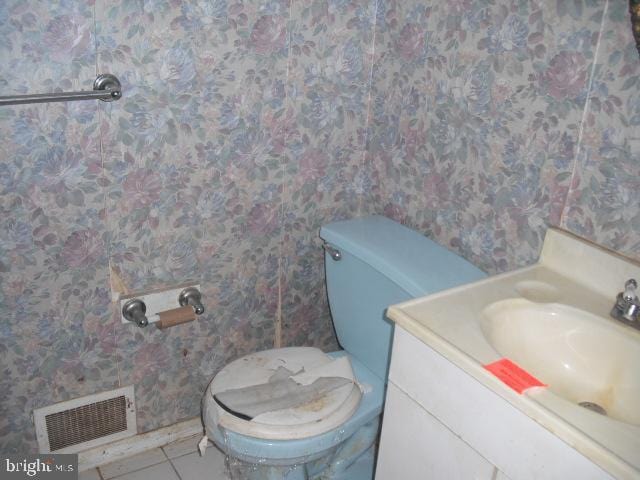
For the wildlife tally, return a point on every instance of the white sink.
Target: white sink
(582, 357)
(552, 319)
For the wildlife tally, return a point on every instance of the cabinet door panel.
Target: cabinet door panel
(415, 446)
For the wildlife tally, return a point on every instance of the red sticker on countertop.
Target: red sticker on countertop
(512, 375)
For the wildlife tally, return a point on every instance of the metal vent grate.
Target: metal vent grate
(86, 422)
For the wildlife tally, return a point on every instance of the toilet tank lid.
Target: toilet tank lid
(412, 261)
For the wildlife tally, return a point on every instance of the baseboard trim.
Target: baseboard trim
(139, 443)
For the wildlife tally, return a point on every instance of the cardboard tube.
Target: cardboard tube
(176, 316)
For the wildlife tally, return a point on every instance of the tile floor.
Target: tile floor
(176, 461)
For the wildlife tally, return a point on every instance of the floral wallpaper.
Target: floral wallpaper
(244, 127)
(57, 339)
(327, 93)
(212, 168)
(493, 120)
(604, 201)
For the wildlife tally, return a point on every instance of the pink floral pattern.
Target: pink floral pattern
(411, 42)
(479, 146)
(82, 248)
(268, 35)
(566, 75)
(245, 126)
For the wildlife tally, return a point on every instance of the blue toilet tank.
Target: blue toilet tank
(382, 263)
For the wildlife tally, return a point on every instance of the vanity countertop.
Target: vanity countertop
(572, 277)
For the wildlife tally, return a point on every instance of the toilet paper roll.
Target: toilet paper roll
(170, 318)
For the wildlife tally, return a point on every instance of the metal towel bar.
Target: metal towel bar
(106, 88)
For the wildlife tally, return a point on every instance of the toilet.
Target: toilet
(370, 263)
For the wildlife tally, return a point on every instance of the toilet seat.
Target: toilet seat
(314, 418)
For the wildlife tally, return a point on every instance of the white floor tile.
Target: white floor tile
(195, 467)
(89, 475)
(182, 447)
(161, 471)
(130, 464)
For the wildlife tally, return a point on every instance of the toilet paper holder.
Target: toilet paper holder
(191, 296)
(134, 309)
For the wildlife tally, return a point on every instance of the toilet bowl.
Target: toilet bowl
(333, 435)
(310, 455)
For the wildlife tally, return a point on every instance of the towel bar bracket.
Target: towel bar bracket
(106, 87)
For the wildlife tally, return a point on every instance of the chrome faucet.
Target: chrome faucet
(627, 307)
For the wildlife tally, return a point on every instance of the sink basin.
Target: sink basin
(584, 358)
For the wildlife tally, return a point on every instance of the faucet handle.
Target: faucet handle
(630, 287)
(627, 306)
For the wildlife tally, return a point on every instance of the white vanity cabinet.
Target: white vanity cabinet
(416, 445)
(441, 423)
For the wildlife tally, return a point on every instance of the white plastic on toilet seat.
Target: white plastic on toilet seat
(314, 418)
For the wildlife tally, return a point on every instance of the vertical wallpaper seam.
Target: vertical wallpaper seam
(583, 119)
(105, 206)
(365, 150)
(277, 343)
